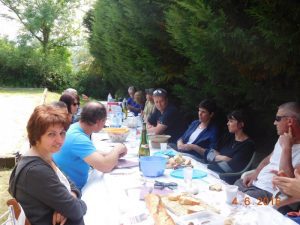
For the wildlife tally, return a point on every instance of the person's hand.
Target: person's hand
(249, 178)
(180, 144)
(121, 149)
(286, 140)
(287, 185)
(184, 147)
(58, 218)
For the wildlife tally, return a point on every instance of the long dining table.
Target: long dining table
(117, 197)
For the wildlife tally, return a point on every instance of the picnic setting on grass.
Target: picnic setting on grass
(137, 163)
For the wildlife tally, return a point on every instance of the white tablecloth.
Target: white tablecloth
(113, 198)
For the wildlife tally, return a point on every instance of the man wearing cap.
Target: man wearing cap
(166, 118)
(149, 105)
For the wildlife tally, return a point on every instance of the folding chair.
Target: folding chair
(20, 217)
(232, 177)
(8, 217)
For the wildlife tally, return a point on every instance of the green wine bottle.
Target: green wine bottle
(144, 146)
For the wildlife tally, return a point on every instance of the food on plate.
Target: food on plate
(186, 204)
(116, 130)
(174, 196)
(178, 161)
(187, 200)
(195, 208)
(157, 210)
(215, 187)
(229, 221)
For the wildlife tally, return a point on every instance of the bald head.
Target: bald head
(92, 112)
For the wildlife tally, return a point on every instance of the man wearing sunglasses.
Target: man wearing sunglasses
(285, 156)
(166, 118)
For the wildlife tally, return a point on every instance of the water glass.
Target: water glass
(188, 176)
(163, 147)
(231, 193)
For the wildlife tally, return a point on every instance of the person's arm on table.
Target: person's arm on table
(248, 179)
(193, 147)
(158, 129)
(105, 163)
(222, 158)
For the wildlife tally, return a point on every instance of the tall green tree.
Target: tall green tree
(130, 43)
(49, 22)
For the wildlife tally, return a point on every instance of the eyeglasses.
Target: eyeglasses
(75, 103)
(278, 118)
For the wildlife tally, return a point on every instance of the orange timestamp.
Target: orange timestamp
(259, 201)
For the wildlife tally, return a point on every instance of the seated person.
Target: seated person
(202, 133)
(287, 185)
(149, 105)
(72, 104)
(285, 156)
(235, 151)
(165, 119)
(139, 100)
(72, 91)
(63, 106)
(45, 194)
(78, 152)
(133, 106)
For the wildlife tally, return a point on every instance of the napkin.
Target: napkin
(124, 163)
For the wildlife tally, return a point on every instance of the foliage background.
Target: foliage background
(243, 54)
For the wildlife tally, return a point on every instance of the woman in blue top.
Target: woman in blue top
(202, 133)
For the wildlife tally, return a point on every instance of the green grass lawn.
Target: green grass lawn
(5, 173)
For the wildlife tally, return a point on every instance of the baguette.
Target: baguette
(195, 208)
(158, 211)
(186, 200)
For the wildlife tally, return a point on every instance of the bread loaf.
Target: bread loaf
(186, 200)
(195, 208)
(158, 211)
(215, 187)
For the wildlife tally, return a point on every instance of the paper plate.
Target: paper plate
(169, 153)
(197, 174)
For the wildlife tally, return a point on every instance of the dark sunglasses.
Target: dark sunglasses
(159, 92)
(75, 103)
(278, 118)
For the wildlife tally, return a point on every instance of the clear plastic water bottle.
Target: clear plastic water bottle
(109, 98)
(114, 120)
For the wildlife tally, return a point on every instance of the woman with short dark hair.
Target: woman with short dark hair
(235, 150)
(72, 104)
(202, 134)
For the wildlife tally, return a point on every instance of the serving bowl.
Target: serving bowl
(153, 166)
(157, 139)
(117, 135)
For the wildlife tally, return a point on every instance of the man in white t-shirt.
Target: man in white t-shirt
(285, 156)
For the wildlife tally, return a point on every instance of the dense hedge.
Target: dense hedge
(244, 54)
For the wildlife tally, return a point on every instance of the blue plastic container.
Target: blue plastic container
(153, 166)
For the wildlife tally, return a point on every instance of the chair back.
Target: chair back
(232, 177)
(8, 217)
(19, 214)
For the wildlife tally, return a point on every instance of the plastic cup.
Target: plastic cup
(231, 193)
(163, 147)
(188, 176)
